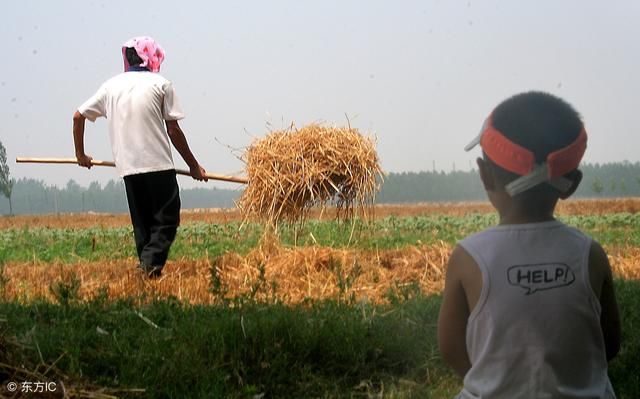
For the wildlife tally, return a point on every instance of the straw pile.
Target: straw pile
(294, 170)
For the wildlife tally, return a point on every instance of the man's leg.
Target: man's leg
(165, 218)
(138, 198)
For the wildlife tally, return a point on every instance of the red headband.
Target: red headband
(517, 159)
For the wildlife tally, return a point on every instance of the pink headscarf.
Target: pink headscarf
(148, 50)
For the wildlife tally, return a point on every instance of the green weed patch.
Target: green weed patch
(200, 240)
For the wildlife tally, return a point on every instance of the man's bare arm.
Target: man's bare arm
(78, 140)
(179, 141)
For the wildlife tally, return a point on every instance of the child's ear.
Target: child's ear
(486, 175)
(575, 177)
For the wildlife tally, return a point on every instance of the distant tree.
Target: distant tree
(597, 186)
(623, 186)
(6, 182)
(93, 193)
(73, 187)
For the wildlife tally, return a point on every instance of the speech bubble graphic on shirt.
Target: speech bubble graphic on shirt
(539, 277)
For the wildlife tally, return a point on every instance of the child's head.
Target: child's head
(532, 144)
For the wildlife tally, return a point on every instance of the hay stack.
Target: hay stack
(293, 170)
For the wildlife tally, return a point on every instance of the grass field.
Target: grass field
(332, 309)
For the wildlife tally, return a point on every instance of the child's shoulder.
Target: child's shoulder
(555, 228)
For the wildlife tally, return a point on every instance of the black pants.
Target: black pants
(154, 205)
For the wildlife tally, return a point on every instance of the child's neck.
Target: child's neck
(516, 214)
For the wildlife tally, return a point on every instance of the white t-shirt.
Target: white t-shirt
(535, 331)
(136, 104)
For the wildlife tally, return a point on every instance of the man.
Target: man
(143, 112)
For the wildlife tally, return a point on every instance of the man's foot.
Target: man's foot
(150, 271)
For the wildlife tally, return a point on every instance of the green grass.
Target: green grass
(625, 369)
(322, 349)
(318, 350)
(198, 240)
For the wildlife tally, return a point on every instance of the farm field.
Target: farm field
(403, 246)
(240, 313)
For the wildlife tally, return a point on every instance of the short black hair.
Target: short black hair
(132, 56)
(540, 122)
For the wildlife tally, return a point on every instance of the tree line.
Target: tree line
(617, 179)
(30, 196)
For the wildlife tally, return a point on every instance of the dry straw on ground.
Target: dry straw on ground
(269, 272)
(294, 170)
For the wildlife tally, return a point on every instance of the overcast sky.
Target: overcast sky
(419, 75)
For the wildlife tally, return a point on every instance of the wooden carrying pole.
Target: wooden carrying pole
(212, 176)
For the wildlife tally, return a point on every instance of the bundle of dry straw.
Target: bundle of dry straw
(293, 170)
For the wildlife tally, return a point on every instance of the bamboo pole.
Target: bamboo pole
(212, 176)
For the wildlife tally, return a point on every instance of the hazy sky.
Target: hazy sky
(419, 75)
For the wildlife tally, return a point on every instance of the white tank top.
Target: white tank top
(535, 331)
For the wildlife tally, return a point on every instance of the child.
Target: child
(529, 309)
(143, 113)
